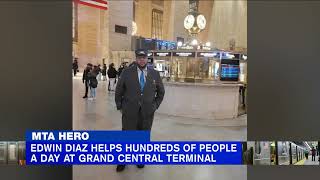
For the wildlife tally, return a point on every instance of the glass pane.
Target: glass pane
(173, 68)
(182, 66)
(179, 67)
(198, 63)
(190, 68)
(207, 68)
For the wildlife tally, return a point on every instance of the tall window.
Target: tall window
(157, 21)
(120, 29)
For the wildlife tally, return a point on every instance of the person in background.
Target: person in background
(85, 78)
(242, 92)
(138, 95)
(318, 152)
(75, 66)
(112, 75)
(104, 72)
(313, 154)
(306, 153)
(98, 71)
(93, 82)
(120, 69)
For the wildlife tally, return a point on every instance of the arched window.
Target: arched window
(157, 21)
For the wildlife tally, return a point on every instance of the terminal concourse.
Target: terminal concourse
(101, 114)
(199, 49)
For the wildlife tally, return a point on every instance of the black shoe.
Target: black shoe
(140, 166)
(85, 97)
(120, 168)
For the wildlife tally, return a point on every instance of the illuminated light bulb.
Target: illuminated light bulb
(244, 57)
(194, 42)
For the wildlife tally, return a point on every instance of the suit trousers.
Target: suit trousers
(140, 121)
(112, 82)
(87, 87)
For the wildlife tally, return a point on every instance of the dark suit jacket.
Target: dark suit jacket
(85, 76)
(130, 99)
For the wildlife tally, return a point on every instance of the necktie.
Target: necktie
(141, 80)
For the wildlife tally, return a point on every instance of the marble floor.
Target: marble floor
(101, 114)
(310, 162)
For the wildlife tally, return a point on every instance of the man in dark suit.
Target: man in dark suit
(85, 78)
(75, 66)
(139, 93)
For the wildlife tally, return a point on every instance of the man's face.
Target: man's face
(142, 61)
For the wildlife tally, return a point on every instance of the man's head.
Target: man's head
(89, 65)
(141, 58)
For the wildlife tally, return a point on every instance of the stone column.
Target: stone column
(168, 20)
(181, 9)
(205, 8)
(144, 18)
(91, 35)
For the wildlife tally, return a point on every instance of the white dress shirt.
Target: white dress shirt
(145, 71)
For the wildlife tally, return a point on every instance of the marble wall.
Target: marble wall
(91, 35)
(174, 13)
(205, 8)
(96, 32)
(143, 14)
(202, 102)
(118, 57)
(180, 9)
(120, 13)
(168, 21)
(228, 21)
